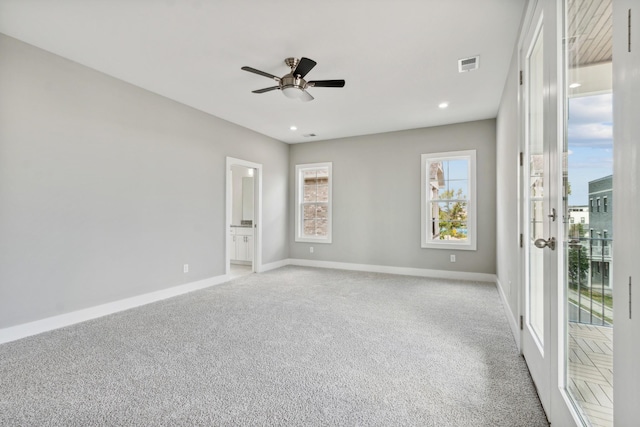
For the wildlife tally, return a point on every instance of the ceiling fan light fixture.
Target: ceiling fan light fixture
(292, 92)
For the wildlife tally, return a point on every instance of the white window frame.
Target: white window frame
(426, 241)
(299, 237)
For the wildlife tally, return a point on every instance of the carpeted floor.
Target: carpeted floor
(294, 346)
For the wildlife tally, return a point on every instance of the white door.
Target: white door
(538, 242)
(541, 190)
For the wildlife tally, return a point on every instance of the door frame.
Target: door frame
(256, 263)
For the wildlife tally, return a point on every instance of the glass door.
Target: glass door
(537, 243)
(588, 208)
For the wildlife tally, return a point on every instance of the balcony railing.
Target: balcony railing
(589, 270)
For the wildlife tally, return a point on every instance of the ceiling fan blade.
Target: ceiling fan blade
(306, 96)
(266, 89)
(326, 83)
(304, 66)
(262, 73)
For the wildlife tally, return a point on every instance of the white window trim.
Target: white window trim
(471, 244)
(298, 213)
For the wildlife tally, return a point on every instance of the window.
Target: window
(582, 220)
(571, 220)
(313, 203)
(590, 205)
(449, 200)
(598, 204)
(604, 204)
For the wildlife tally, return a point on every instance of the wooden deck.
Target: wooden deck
(590, 372)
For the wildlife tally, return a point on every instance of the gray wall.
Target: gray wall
(376, 197)
(507, 159)
(106, 190)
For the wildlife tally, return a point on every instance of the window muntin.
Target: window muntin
(448, 200)
(313, 202)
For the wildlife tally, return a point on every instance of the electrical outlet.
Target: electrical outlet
(310, 249)
(185, 268)
(452, 258)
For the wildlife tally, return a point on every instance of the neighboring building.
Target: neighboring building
(578, 220)
(601, 229)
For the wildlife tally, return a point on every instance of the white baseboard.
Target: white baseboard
(404, 271)
(50, 323)
(273, 265)
(32, 328)
(511, 319)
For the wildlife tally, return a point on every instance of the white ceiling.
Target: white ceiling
(398, 57)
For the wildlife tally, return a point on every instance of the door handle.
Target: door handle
(542, 243)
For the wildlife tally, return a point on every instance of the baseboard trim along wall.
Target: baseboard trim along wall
(273, 265)
(403, 271)
(511, 319)
(50, 323)
(39, 326)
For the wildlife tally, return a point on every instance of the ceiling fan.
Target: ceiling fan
(293, 85)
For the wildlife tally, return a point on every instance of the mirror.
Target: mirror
(247, 198)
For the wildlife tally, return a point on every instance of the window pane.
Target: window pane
(322, 211)
(537, 219)
(323, 193)
(309, 211)
(456, 169)
(451, 219)
(323, 174)
(453, 230)
(309, 227)
(321, 227)
(455, 189)
(310, 193)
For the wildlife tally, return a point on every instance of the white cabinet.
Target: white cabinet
(241, 242)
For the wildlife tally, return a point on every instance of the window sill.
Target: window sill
(312, 240)
(450, 246)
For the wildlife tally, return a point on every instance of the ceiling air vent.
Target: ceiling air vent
(468, 64)
(309, 135)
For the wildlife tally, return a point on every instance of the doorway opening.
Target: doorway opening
(244, 214)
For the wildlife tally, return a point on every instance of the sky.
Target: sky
(590, 143)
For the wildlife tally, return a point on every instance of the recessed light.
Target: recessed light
(293, 128)
(443, 105)
(574, 85)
